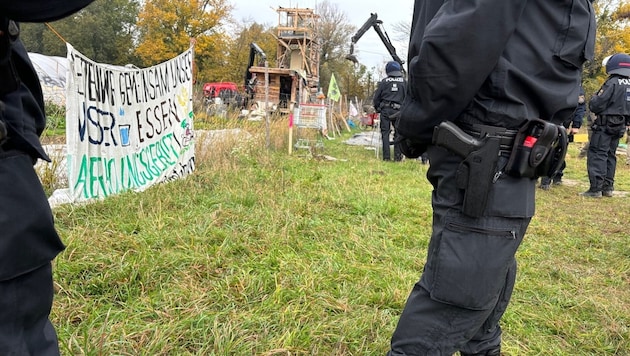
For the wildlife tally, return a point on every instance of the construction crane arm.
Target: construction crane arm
(375, 23)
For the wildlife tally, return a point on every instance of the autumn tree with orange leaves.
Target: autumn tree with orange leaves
(240, 50)
(166, 28)
(108, 32)
(613, 36)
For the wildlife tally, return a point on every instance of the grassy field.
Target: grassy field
(264, 253)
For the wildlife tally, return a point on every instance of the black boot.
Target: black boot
(496, 351)
(545, 183)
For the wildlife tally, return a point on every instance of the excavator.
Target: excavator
(374, 22)
(250, 79)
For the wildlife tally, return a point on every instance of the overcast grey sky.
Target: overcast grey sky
(369, 49)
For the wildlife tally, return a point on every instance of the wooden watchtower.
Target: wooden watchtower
(295, 78)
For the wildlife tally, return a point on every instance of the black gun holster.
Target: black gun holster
(475, 176)
(480, 147)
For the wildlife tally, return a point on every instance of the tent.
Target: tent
(52, 72)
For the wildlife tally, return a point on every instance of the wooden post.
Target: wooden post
(267, 124)
(331, 122)
(291, 132)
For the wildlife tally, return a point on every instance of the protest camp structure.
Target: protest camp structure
(295, 78)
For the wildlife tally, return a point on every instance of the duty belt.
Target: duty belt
(604, 120)
(506, 136)
(392, 104)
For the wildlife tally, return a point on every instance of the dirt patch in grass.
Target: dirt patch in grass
(53, 140)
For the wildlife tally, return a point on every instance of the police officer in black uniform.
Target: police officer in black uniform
(612, 107)
(28, 240)
(573, 127)
(492, 69)
(388, 97)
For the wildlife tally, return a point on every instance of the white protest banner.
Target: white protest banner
(127, 128)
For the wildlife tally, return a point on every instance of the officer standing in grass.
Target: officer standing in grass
(573, 127)
(28, 240)
(612, 107)
(497, 78)
(388, 97)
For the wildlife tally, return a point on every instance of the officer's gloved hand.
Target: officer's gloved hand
(411, 148)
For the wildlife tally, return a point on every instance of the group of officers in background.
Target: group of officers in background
(608, 121)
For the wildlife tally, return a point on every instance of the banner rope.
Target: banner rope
(55, 32)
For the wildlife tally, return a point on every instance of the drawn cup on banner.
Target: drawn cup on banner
(124, 135)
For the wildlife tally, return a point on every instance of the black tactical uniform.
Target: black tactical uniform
(28, 241)
(575, 122)
(490, 67)
(388, 97)
(612, 107)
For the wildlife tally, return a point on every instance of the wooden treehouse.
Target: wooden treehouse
(295, 78)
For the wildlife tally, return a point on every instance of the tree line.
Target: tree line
(144, 33)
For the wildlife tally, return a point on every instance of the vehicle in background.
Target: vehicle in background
(218, 97)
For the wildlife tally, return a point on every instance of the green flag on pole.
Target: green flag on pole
(333, 89)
